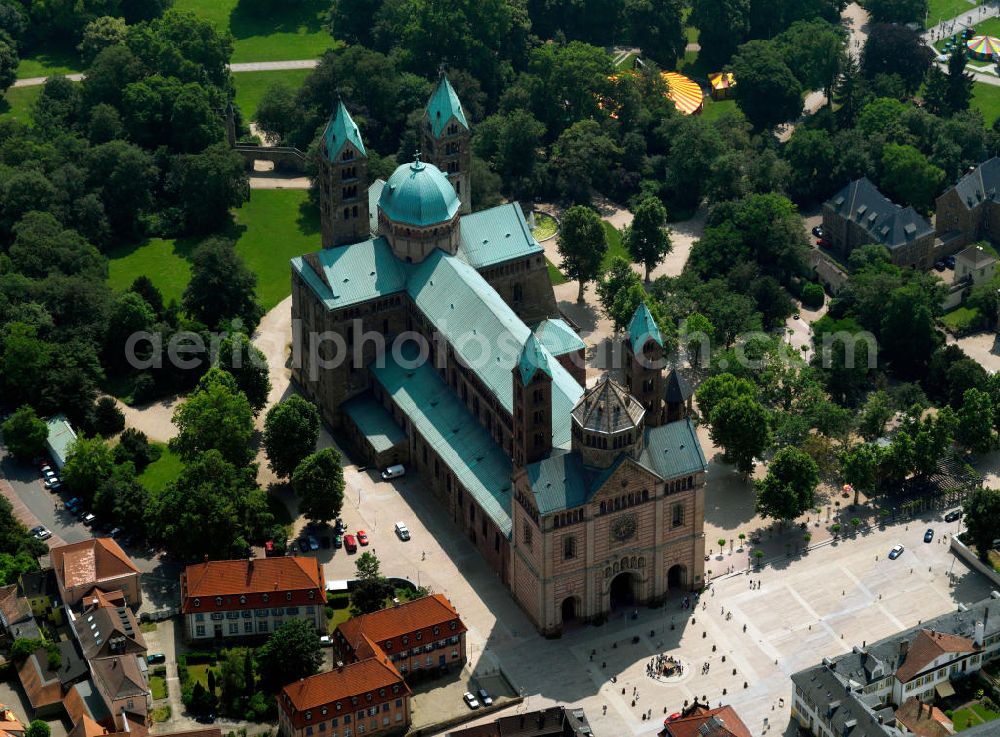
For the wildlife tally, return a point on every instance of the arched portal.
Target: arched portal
(677, 577)
(569, 610)
(623, 590)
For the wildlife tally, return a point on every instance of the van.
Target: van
(393, 472)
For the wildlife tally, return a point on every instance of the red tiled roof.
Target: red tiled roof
(924, 720)
(356, 680)
(725, 720)
(219, 585)
(928, 646)
(410, 618)
(91, 561)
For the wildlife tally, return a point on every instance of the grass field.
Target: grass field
(158, 687)
(276, 225)
(939, 10)
(615, 247)
(17, 102)
(972, 715)
(297, 30)
(986, 99)
(251, 86)
(158, 474)
(54, 60)
(715, 109)
(555, 276)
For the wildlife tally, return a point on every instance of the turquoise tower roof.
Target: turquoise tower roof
(533, 358)
(340, 130)
(418, 194)
(444, 104)
(642, 328)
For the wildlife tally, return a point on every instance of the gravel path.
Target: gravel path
(252, 66)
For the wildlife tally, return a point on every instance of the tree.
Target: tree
(697, 333)
(975, 421)
(849, 92)
(814, 51)
(875, 415)
(931, 437)
(108, 418)
(788, 489)
(719, 387)
(722, 26)
(144, 287)
(617, 278)
(212, 509)
(291, 431)
(9, 61)
(25, 434)
(741, 426)
(276, 112)
(582, 245)
(909, 177)
(510, 143)
(207, 185)
(908, 333)
(318, 481)
(897, 11)
(88, 463)
(657, 28)
(982, 519)
(130, 316)
(768, 92)
(221, 286)
(99, 34)
(133, 447)
(812, 157)
(859, 465)
(896, 50)
(125, 177)
(241, 358)
(292, 652)
(647, 239)
(215, 416)
(582, 158)
(372, 588)
(37, 728)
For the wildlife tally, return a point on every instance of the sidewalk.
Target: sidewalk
(24, 515)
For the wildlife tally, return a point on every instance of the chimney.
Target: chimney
(980, 631)
(903, 649)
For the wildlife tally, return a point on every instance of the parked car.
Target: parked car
(44, 469)
(73, 503)
(338, 540)
(823, 243)
(49, 473)
(484, 697)
(313, 542)
(154, 658)
(41, 532)
(393, 472)
(897, 550)
(929, 535)
(939, 265)
(950, 262)
(88, 519)
(362, 537)
(53, 483)
(471, 700)
(205, 718)
(402, 531)
(326, 641)
(350, 544)
(338, 526)
(115, 532)
(269, 548)
(817, 231)
(953, 515)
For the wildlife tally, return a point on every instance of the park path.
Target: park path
(969, 17)
(251, 66)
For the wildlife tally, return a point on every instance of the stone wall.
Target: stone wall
(524, 284)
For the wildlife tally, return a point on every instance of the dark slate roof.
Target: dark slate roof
(981, 183)
(39, 583)
(848, 715)
(608, 408)
(561, 481)
(678, 389)
(886, 222)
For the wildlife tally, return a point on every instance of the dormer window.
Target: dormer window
(309, 716)
(337, 706)
(406, 640)
(266, 598)
(288, 596)
(381, 692)
(420, 636)
(243, 600)
(454, 625)
(437, 630)
(388, 644)
(218, 601)
(312, 595)
(197, 602)
(369, 697)
(323, 711)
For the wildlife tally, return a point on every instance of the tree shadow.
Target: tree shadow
(252, 18)
(308, 220)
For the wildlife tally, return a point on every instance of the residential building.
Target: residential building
(859, 214)
(868, 687)
(244, 598)
(16, 620)
(10, 725)
(698, 720)
(970, 211)
(361, 698)
(422, 635)
(556, 721)
(485, 400)
(42, 592)
(47, 679)
(98, 563)
(975, 265)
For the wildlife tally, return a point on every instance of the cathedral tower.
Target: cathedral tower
(342, 165)
(446, 140)
(532, 404)
(644, 364)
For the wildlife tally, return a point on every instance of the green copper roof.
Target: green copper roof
(443, 106)
(340, 130)
(374, 422)
(498, 234)
(558, 337)
(61, 438)
(479, 464)
(533, 358)
(561, 481)
(352, 274)
(419, 194)
(642, 328)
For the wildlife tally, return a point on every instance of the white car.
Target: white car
(326, 641)
(897, 550)
(402, 531)
(41, 532)
(393, 472)
(471, 700)
(52, 483)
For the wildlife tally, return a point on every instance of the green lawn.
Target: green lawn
(158, 474)
(251, 86)
(973, 715)
(274, 226)
(715, 109)
(986, 99)
(555, 276)
(960, 318)
(690, 31)
(615, 247)
(339, 617)
(53, 60)
(939, 10)
(17, 102)
(296, 30)
(158, 687)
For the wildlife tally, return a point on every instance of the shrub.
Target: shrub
(108, 418)
(197, 657)
(813, 295)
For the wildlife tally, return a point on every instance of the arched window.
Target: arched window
(678, 515)
(569, 547)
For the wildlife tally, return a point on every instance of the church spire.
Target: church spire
(446, 139)
(342, 176)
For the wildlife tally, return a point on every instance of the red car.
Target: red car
(350, 544)
(362, 537)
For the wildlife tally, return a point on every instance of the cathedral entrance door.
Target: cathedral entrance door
(623, 590)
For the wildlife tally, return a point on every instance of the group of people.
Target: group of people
(664, 665)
